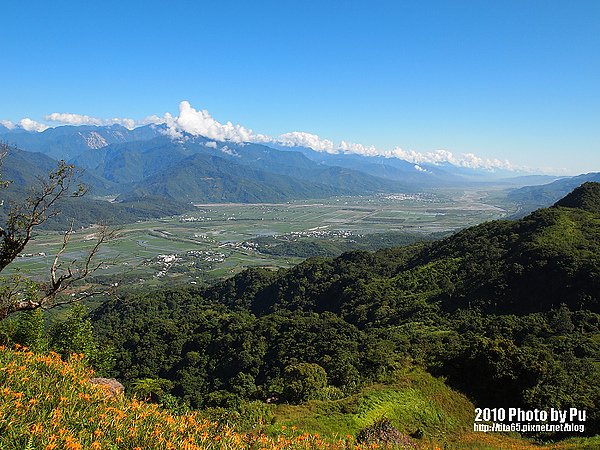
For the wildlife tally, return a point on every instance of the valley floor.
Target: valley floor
(220, 240)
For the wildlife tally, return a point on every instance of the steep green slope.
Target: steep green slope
(586, 197)
(506, 311)
(414, 402)
(535, 264)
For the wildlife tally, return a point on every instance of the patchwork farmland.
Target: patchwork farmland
(219, 240)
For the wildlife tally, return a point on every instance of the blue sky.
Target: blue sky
(517, 81)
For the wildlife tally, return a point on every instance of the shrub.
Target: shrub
(383, 432)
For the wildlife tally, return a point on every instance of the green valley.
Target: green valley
(218, 240)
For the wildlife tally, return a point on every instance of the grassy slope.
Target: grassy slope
(46, 403)
(417, 401)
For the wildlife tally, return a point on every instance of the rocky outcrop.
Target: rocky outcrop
(110, 385)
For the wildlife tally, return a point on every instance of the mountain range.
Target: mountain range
(531, 198)
(146, 172)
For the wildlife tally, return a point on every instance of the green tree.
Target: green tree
(30, 331)
(303, 381)
(151, 389)
(560, 320)
(76, 335)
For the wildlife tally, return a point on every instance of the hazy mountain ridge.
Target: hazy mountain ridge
(25, 169)
(132, 162)
(68, 142)
(90, 145)
(533, 197)
(146, 162)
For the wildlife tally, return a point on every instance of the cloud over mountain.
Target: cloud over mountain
(80, 119)
(444, 156)
(201, 123)
(299, 138)
(31, 125)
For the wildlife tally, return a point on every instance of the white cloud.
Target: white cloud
(31, 125)
(444, 156)
(153, 119)
(438, 157)
(201, 123)
(211, 144)
(298, 138)
(130, 124)
(360, 149)
(72, 119)
(81, 119)
(229, 151)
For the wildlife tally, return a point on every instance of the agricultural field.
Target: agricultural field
(219, 240)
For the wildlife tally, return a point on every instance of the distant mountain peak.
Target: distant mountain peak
(94, 140)
(586, 197)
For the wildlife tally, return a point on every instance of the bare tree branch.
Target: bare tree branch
(36, 209)
(20, 293)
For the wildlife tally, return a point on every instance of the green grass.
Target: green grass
(563, 234)
(415, 401)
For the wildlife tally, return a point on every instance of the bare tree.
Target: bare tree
(19, 293)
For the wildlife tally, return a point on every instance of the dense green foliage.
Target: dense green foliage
(586, 196)
(506, 311)
(216, 355)
(303, 381)
(75, 334)
(307, 247)
(71, 334)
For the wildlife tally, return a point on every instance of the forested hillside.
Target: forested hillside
(24, 170)
(507, 312)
